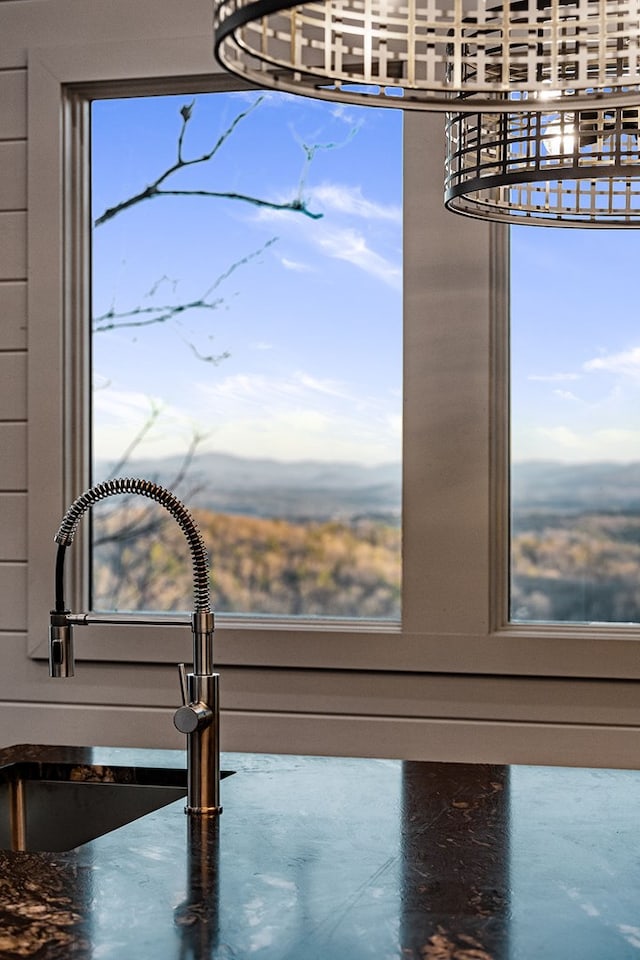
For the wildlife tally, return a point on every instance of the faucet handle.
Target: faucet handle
(184, 689)
(192, 717)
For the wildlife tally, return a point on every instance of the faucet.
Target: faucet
(199, 715)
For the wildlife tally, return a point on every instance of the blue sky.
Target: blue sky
(309, 311)
(575, 344)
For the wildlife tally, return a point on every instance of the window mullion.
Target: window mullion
(447, 408)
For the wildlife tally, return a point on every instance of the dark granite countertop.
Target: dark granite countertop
(342, 859)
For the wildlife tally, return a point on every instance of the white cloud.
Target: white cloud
(256, 416)
(341, 242)
(563, 437)
(619, 438)
(394, 422)
(566, 395)
(346, 199)
(123, 405)
(304, 434)
(303, 416)
(295, 265)
(120, 416)
(248, 388)
(352, 246)
(272, 393)
(576, 445)
(269, 214)
(329, 387)
(342, 112)
(554, 377)
(627, 363)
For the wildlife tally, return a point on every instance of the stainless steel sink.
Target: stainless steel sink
(58, 806)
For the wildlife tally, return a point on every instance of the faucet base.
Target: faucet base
(200, 720)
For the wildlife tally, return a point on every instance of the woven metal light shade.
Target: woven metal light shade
(437, 54)
(577, 168)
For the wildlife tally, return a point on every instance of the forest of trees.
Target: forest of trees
(566, 566)
(259, 565)
(576, 567)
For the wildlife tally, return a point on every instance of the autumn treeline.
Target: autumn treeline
(335, 568)
(576, 567)
(565, 567)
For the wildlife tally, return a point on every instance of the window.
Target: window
(454, 611)
(574, 426)
(247, 350)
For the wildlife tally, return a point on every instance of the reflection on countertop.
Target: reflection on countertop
(320, 858)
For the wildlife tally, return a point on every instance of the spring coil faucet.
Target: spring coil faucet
(199, 715)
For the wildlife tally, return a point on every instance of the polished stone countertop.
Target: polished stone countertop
(342, 859)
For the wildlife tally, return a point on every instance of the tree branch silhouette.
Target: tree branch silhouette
(145, 518)
(137, 439)
(161, 313)
(155, 189)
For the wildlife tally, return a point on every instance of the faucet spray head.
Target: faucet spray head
(61, 657)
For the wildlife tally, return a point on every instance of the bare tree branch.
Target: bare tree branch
(310, 150)
(113, 320)
(137, 439)
(297, 205)
(154, 189)
(213, 358)
(197, 438)
(146, 519)
(161, 313)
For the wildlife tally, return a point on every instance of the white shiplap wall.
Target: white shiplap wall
(13, 336)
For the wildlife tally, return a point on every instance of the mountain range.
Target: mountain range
(299, 490)
(317, 490)
(601, 487)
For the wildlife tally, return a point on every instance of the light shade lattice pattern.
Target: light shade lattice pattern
(575, 168)
(437, 54)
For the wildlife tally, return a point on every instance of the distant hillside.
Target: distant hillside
(304, 489)
(575, 537)
(277, 567)
(570, 487)
(315, 490)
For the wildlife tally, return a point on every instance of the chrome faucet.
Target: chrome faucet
(199, 715)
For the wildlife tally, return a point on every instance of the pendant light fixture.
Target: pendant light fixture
(463, 55)
(577, 168)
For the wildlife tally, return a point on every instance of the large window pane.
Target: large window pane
(575, 429)
(247, 317)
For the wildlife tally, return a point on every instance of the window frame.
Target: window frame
(455, 397)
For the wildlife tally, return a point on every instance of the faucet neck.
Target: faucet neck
(153, 491)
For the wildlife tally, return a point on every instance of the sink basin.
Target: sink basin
(58, 806)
